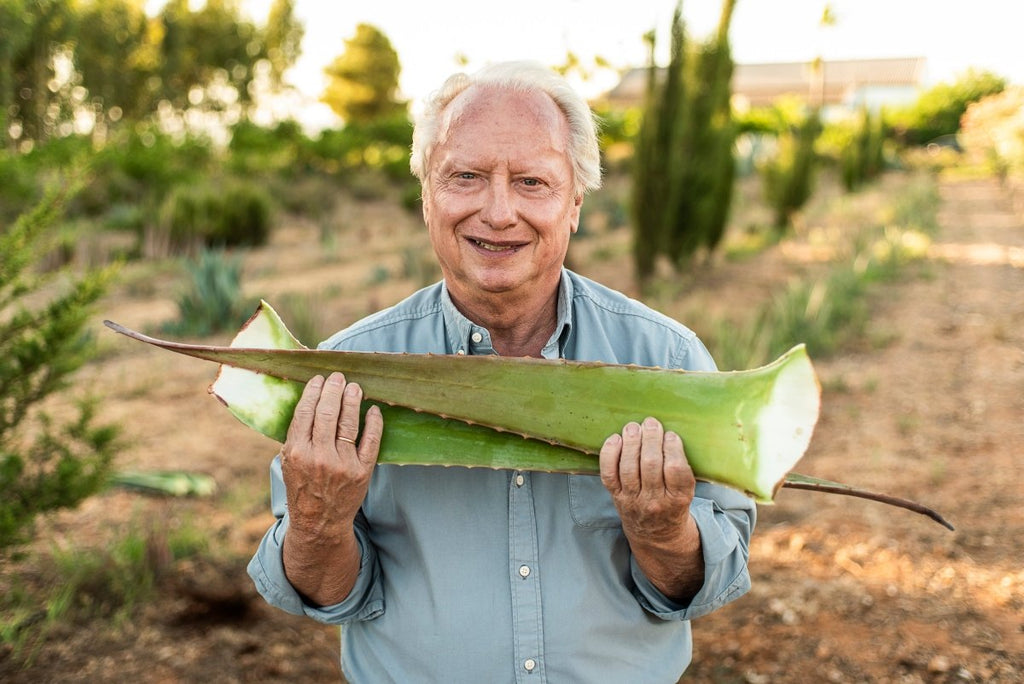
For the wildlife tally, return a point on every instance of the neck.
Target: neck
(519, 326)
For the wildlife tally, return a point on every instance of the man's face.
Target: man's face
(499, 202)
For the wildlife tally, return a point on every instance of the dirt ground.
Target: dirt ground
(844, 590)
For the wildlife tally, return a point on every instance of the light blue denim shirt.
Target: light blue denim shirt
(479, 575)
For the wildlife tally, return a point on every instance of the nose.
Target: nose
(498, 210)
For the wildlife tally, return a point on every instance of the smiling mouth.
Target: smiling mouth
(491, 247)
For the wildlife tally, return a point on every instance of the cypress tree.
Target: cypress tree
(654, 170)
(706, 151)
(683, 163)
(789, 176)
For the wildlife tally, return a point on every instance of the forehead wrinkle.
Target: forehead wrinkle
(548, 115)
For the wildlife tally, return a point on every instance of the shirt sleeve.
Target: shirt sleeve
(364, 602)
(725, 519)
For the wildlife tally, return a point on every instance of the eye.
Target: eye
(466, 175)
(531, 182)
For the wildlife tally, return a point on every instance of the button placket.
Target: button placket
(524, 569)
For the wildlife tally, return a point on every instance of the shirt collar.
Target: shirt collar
(466, 337)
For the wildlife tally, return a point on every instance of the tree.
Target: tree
(683, 162)
(109, 44)
(283, 38)
(706, 154)
(17, 34)
(862, 157)
(213, 45)
(38, 31)
(789, 175)
(43, 465)
(59, 58)
(363, 82)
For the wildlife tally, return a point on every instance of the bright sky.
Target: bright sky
(953, 35)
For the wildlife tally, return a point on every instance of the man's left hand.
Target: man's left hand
(651, 482)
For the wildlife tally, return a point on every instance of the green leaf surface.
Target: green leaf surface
(744, 429)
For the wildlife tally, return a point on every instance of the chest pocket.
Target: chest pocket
(590, 504)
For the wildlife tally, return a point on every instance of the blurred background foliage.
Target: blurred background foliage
(165, 107)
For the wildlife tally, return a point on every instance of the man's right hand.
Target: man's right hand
(326, 475)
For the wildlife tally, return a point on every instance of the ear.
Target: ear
(424, 203)
(574, 218)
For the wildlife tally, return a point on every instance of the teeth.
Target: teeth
(492, 248)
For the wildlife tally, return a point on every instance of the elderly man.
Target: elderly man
(477, 575)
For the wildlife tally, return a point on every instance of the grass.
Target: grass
(303, 312)
(830, 311)
(82, 583)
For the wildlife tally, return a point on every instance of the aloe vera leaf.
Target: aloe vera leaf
(266, 404)
(746, 429)
(168, 482)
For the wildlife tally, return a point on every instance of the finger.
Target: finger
(348, 419)
(652, 457)
(629, 461)
(369, 443)
(302, 420)
(611, 450)
(679, 477)
(325, 423)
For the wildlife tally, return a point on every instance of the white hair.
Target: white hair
(584, 153)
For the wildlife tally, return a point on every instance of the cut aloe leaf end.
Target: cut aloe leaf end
(263, 402)
(786, 422)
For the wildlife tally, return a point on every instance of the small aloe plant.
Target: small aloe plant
(743, 429)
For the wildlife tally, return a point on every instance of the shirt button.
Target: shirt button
(529, 664)
(524, 571)
(461, 352)
(476, 337)
(520, 479)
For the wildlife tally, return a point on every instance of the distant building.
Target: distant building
(840, 86)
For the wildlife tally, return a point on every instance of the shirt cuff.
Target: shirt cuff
(724, 548)
(364, 602)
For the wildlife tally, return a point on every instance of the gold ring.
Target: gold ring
(346, 439)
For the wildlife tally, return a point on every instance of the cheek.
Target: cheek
(446, 211)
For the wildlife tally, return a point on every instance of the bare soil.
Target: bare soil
(844, 590)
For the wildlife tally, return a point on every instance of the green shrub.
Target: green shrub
(937, 112)
(280, 149)
(211, 214)
(789, 176)
(44, 465)
(383, 145)
(862, 158)
(212, 300)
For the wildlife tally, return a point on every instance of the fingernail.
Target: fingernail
(352, 389)
(336, 378)
(631, 429)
